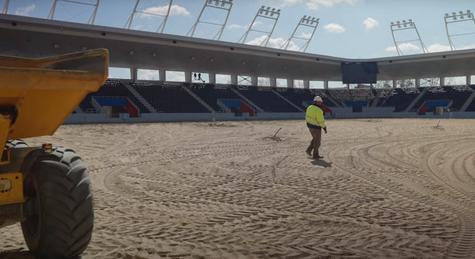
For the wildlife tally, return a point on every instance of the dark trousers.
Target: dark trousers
(316, 141)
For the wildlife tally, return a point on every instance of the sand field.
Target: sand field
(399, 188)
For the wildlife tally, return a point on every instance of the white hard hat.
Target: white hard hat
(317, 99)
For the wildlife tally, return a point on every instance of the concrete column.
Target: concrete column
(418, 82)
(162, 75)
(306, 84)
(133, 73)
(234, 79)
(273, 82)
(325, 84)
(254, 80)
(394, 83)
(290, 83)
(188, 76)
(469, 80)
(212, 78)
(442, 81)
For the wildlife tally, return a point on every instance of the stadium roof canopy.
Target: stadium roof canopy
(34, 37)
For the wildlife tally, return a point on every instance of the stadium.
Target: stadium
(195, 146)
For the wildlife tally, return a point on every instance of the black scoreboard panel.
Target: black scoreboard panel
(359, 72)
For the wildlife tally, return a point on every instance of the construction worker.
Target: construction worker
(315, 122)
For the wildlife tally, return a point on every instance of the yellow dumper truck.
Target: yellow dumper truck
(47, 188)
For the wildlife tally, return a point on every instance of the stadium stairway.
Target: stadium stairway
(111, 88)
(456, 95)
(113, 105)
(211, 94)
(468, 102)
(78, 110)
(399, 99)
(327, 95)
(266, 99)
(259, 109)
(419, 97)
(170, 98)
(223, 106)
(86, 105)
(377, 97)
(286, 100)
(140, 98)
(198, 99)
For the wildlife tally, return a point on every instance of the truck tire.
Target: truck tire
(60, 216)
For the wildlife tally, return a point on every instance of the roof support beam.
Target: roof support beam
(136, 11)
(223, 5)
(92, 18)
(5, 6)
(267, 13)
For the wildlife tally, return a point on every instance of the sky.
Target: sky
(347, 28)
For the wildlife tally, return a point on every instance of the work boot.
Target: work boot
(316, 155)
(309, 151)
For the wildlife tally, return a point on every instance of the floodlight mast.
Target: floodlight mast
(5, 7)
(266, 13)
(306, 21)
(224, 5)
(405, 25)
(135, 11)
(92, 18)
(459, 17)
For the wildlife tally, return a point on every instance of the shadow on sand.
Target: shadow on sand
(322, 163)
(18, 254)
(15, 254)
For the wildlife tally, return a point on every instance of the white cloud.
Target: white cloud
(277, 43)
(25, 11)
(315, 4)
(370, 23)
(403, 47)
(437, 47)
(236, 27)
(335, 28)
(162, 10)
(306, 35)
(257, 41)
(471, 46)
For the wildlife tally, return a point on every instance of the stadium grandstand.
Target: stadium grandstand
(238, 81)
(201, 140)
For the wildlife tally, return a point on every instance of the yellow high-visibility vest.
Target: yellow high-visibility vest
(315, 116)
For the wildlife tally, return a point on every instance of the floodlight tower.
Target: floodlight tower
(5, 7)
(160, 28)
(266, 13)
(92, 18)
(406, 25)
(224, 5)
(457, 18)
(305, 21)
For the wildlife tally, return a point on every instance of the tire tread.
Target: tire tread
(65, 194)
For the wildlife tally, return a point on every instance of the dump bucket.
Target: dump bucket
(37, 95)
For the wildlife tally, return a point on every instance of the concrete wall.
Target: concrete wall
(84, 118)
(339, 113)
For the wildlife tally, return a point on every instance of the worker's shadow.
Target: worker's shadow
(321, 163)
